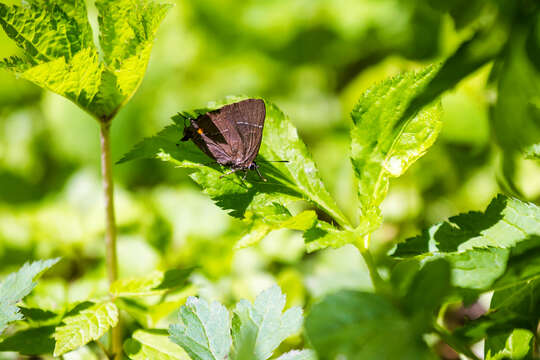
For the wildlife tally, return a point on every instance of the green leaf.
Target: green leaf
(516, 114)
(432, 279)
(380, 149)
(282, 219)
(39, 316)
(153, 344)
(259, 328)
(515, 304)
(264, 205)
(33, 341)
(59, 53)
(478, 245)
(322, 235)
(515, 346)
(361, 329)
(85, 326)
(79, 79)
(482, 47)
(463, 12)
(126, 27)
(16, 286)
(44, 33)
(298, 355)
(140, 286)
(204, 331)
(156, 283)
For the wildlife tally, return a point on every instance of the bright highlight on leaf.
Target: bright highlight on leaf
(383, 143)
(87, 325)
(16, 286)
(153, 344)
(257, 329)
(59, 53)
(298, 355)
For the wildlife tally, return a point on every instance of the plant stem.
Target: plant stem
(378, 283)
(110, 227)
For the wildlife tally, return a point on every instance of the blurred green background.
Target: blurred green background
(314, 59)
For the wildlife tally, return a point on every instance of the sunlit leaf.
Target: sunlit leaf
(153, 344)
(259, 328)
(84, 326)
(478, 245)
(204, 331)
(60, 55)
(282, 219)
(517, 345)
(298, 355)
(16, 286)
(264, 204)
(155, 283)
(322, 235)
(381, 149)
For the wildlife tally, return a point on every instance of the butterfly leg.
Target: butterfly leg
(256, 167)
(229, 172)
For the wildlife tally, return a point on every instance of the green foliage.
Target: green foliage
(298, 355)
(364, 333)
(204, 332)
(264, 205)
(486, 55)
(384, 143)
(156, 283)
(59, 53)
(16, 286)
(476, 244)
(516, 114)
(257, 329)
(516, 346)
(153, 344)
(89, 324)
(33, 341)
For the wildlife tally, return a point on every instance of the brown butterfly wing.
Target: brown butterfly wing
(206, 132)
(248, 117)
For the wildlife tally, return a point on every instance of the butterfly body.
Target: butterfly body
(230, 135)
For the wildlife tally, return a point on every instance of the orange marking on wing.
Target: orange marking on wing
(199, 131)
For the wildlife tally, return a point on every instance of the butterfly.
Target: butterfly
(230, 135)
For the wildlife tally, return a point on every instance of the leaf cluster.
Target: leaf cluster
(59, 54)
(207, 333)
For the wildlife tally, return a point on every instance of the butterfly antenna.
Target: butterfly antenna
(269, 161)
